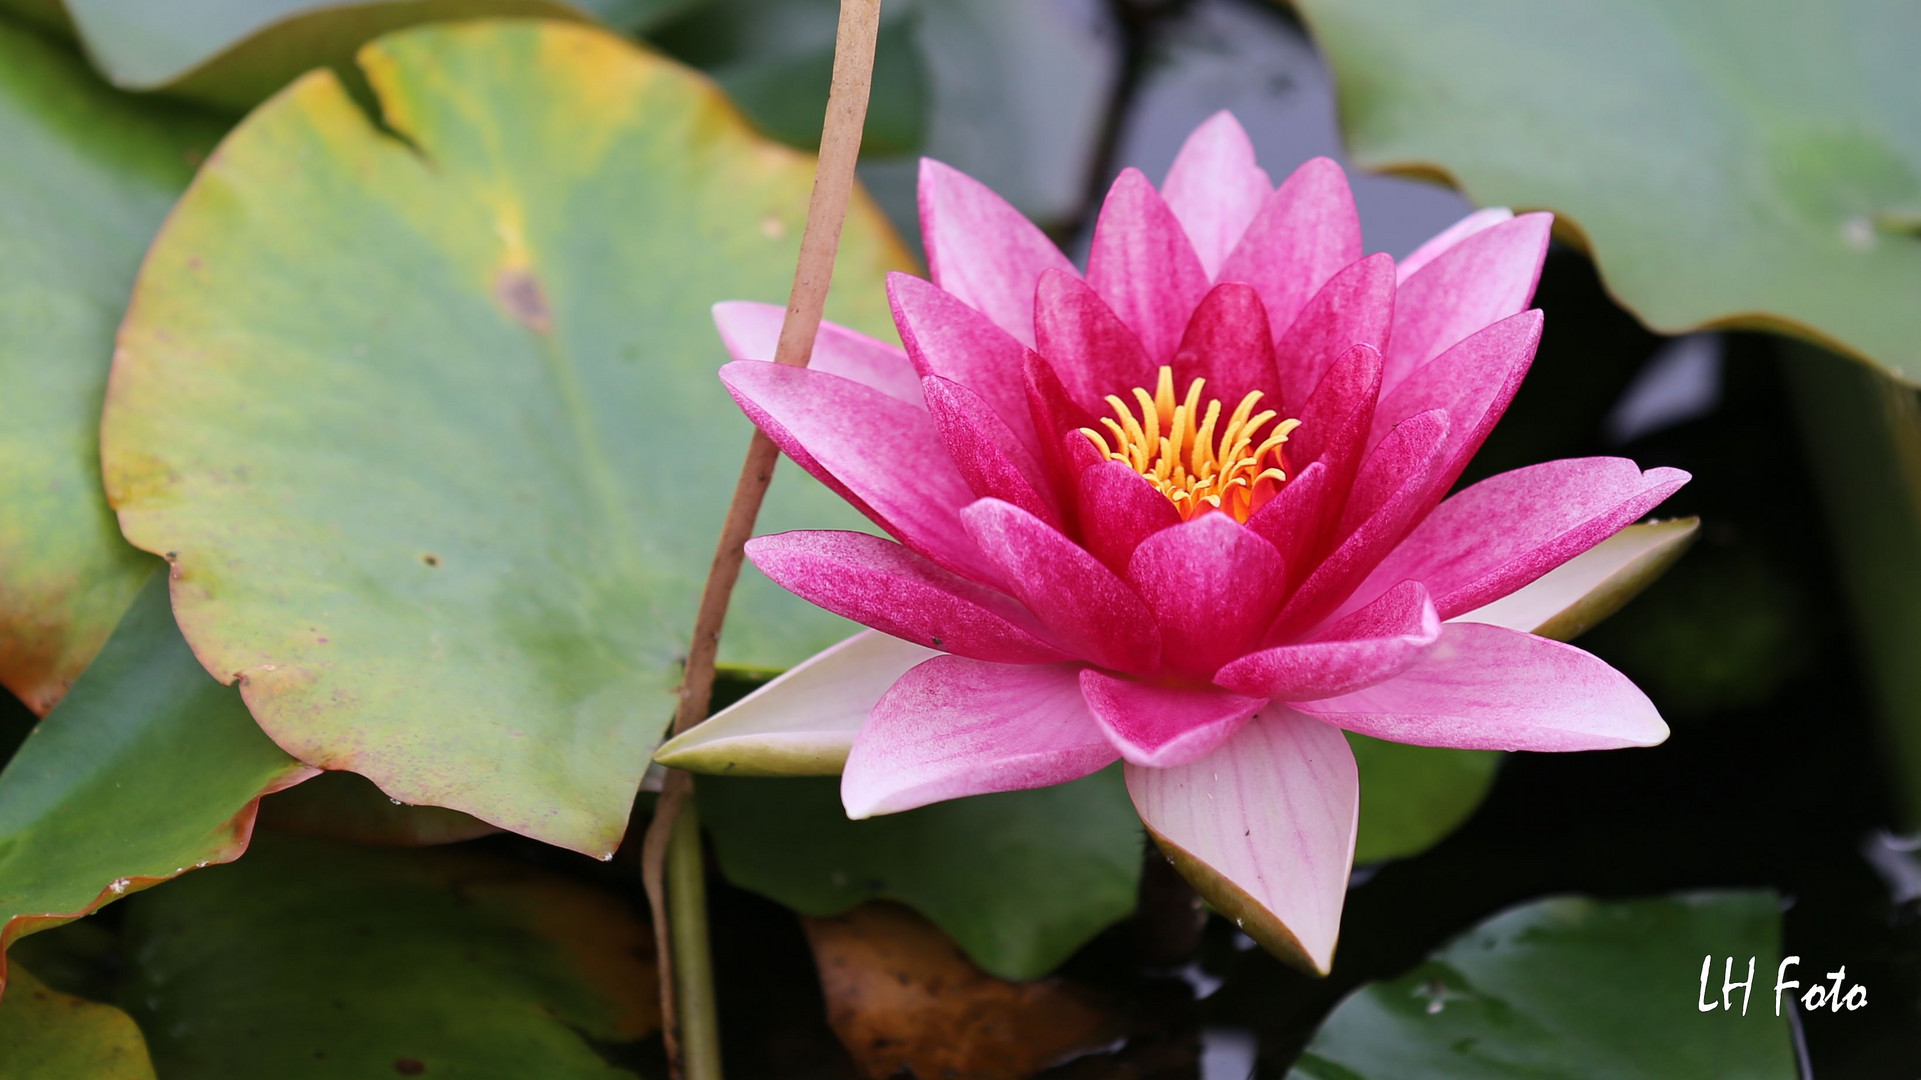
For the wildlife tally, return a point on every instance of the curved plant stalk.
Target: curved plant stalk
(688, 1022)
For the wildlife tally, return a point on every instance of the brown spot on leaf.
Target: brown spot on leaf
(409, 1067)
(430, 559)
(905, 1001)
(519, 292)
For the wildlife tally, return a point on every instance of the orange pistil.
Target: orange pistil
(1198, 464)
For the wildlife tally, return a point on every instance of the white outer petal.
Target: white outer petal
(802, 723)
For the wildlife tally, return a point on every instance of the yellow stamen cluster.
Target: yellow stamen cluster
(1194, 460)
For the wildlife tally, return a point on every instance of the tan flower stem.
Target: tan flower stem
(670, 853)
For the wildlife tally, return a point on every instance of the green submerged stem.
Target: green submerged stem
(671, 863)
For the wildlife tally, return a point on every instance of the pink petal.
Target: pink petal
(1264, 827)
(1215, 188)
(1507, 530)
(947, 338)
(1305, 232)
(1392, 489)
(1142, 264)
(1213, 585)
(1481, 280)
(1355, 307)
(883, 455)
(1091, 610)
(751, 330)
(1227, 343)
(1163, 726)
(1338, 416)
(1490, 688)
(1414, 449)
(1473, 382)
(983, 250)
(1057, 420)
(885, 586)
(989, 456)
(954, 727)
(1571, 598)
(1086, 344)
(1478, 221)
(1294, 520)
(1377, 642)
(1118, 509)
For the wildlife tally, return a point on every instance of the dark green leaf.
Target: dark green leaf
(85, 176)
(312, 958)
(1574, 989)
(148, 769)
(1862, 431)
(1412, 796)
(1019, 880)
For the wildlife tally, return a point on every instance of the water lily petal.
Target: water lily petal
(945, 337)
(1118, 510)
(1413, 450)
(1294, 520)
(1475, 222)
(1338, 416)
(1481, 280)
(1088, 607)
(1086, 344)
(1304, 234)
(1355, 307)
(1473, 382)
(1377, 642)
(1213, 585)
(1566, 601)
(878, 452)
(803, 722)
(1498, 535)
(1490, 688)
(751, 330)
(1163, 726)
(1057, 420)
(1392, 488)
(989, 456)
(885, 586)
(1264, 828)
(982, 250)
(954, 727)
(1227, 342)
(1142, 264)
(1215, 188)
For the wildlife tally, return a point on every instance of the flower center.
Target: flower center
(1194, 460)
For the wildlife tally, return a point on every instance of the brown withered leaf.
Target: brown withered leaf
(905, 1002)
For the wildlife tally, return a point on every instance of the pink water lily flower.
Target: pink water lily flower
(1187, 510)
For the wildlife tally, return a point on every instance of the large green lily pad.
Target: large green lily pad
(431, 431)
(1019, 880)
(1728, 163)
(313, 958)
(1575, 989)
(48, 1035)
(148, 769)
(85, 177)
(231, 54)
